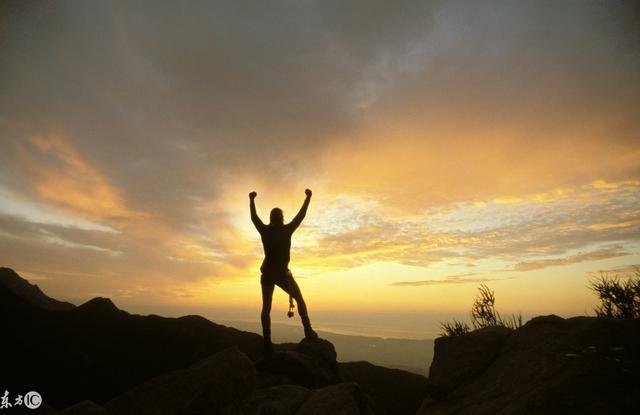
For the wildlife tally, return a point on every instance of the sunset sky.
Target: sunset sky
(447, 144)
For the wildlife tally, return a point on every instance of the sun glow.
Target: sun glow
(450, 148)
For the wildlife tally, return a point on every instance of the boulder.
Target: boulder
(458, 359)
(206, 387)
(394, 391)
(551, 365)
(341, 399)
(321, 349)
(275, 400)
(310, 363)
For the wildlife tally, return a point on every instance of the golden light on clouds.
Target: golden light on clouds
(446, 146)
(60, 177)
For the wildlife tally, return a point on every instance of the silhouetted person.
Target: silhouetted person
(276, 241)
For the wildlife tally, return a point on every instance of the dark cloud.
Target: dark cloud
(543, 66)
(160, 109)
(169, 99)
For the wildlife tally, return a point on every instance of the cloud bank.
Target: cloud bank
(130, 134)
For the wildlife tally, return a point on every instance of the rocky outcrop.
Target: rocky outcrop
(342, 399)
(303, 378)
(274, 400)
(96, 351)
(96, 359)
(393, 391)
(225, 383)
(457, 364)
(310, 363)
(208, 386)
(551, 365)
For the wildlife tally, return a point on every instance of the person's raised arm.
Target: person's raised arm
(303, 211)
(254, 215)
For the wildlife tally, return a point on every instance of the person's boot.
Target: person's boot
(309, 333)
(267, 345)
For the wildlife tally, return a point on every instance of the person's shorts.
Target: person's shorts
(279, 278)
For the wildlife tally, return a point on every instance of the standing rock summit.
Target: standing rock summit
(551, 365)
(229, 383)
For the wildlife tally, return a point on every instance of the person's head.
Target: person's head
(276, 217)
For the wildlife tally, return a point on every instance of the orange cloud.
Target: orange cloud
(451, 279)
(581, 257)
(61, 177)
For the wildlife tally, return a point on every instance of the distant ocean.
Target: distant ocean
(394, 326)
(417, 325)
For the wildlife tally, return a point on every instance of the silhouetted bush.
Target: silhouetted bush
(454, 328)
(483, 311)
(618, 298)
(483, 314)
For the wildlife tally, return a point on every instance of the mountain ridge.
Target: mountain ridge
(31, 293)
(98, 359)
(95, 352)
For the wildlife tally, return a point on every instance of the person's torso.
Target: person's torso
(276, 241)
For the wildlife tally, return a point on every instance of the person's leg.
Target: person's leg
(265, 317)
(290, 286)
